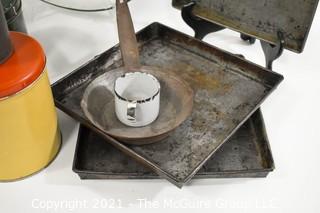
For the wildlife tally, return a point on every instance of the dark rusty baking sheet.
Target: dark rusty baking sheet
(261, 18)
(246, 154)
(228, 89)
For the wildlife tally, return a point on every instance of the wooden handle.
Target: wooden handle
(127, 37)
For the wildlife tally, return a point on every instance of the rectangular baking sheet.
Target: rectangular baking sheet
(228, 90)
(246, 154)
(260, 18)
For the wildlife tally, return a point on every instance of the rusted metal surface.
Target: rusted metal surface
(261, 19)
(175, 107)
(227, 88)
(246, 154)
(127, 37)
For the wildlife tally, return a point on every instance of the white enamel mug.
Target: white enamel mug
(137, 98)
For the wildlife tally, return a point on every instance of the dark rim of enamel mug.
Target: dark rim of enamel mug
(138, 101)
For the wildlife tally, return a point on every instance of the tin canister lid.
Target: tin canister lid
(23, 67)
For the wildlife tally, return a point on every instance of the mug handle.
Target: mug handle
(131, 111)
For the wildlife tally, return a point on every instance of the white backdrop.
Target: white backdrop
(291, 114)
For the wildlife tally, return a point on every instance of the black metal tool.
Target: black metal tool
(248, 38)
(14, 15)
(254, 20)
(5, 42)
(271, 51)
(200, 26)
(259, 19)
(203, 27)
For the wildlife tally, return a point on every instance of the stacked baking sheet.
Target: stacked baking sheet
(224, 136)
(227, 89)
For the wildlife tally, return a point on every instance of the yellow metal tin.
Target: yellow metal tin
(29, 133)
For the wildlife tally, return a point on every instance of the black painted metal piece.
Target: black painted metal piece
(271, 51)
(248, 38)
(203, 27)
(200, 26)
(5, 42)
(260, 18)
(14, 15)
